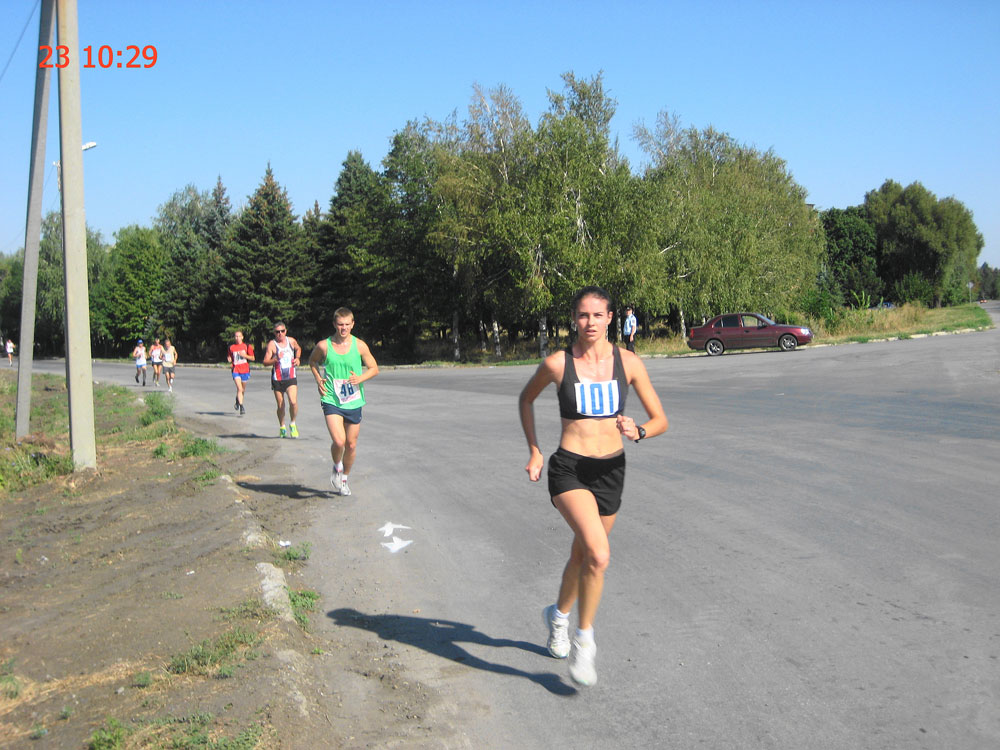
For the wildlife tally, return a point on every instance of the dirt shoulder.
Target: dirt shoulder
(136, 610)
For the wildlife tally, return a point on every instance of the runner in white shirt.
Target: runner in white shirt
(139, 355)
(283, 354)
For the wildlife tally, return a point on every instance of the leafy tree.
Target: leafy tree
(852, 252)
(734, 230)
(50, 300)
(402, 273)
(919, 235)
(186, 223)
(989, 282)
(264, 271)
(130, 289)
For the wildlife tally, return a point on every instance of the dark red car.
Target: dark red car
(746, 331)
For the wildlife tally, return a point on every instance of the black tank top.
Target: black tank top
(592, 400)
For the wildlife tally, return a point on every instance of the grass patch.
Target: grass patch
(10, 686)
(142, 680)
(178, 732)
(161, 451)
(207, 477)
(158, 408)
(303, 602)
(251, 609)
(228, 647)
(197, 447)
(112, 736)
(295, 553)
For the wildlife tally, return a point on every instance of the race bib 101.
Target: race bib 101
(598, 399)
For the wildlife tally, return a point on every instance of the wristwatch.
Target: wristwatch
(642, 432)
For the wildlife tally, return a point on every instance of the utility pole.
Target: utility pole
(33, 227)
(79, 366)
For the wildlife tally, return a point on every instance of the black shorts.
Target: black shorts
(350, 415)
(283, 385)
(604, 477)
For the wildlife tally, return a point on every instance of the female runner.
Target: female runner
(587, 473)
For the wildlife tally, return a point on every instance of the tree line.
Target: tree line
(475, 232)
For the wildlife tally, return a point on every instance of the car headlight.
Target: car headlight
(806, 332)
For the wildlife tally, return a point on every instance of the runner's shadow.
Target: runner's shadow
(293, 491)
(441, 637)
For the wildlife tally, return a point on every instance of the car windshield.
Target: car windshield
(767, 320)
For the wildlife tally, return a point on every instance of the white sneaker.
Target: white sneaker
(344, 489)
(337, 480)
(558, 643)
(581, 663)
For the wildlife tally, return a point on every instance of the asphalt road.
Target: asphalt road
(808, 558)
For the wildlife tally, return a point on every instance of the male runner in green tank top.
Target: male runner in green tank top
(341, 392)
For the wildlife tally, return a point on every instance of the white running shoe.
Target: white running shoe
(344, 489)
(581, 663)
(337, 480)
(558, 644)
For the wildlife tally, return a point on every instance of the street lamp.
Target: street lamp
(58, 166)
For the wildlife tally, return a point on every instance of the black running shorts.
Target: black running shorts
(283, 385)
(603, 477)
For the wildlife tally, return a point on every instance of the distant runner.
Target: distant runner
(169, 363)
(341, 392)
(283, 354)
(156, 357)
(239, 357)
(10, 352)
(139, 355)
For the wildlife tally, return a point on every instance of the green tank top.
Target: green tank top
(339, 367)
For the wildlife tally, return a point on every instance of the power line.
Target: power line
(18, 42)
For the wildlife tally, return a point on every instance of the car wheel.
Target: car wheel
(714, 347)
(787, 342)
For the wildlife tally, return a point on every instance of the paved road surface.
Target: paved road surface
(809, 558)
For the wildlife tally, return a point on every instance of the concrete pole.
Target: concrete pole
(33, 228)
(79, 366)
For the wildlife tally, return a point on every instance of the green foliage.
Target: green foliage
(303, 602)
(158, 408)
(989, 282)
(198, 447)
(142, 680)
(852, 253)
(296, 553)
(125, 301)
(112, 736)
(10, 686)
(251, 609)
(210, 653)
(193, 227)
(913, 287)
(733, 226)
(482, 228)
(921, 236)
(265, 272)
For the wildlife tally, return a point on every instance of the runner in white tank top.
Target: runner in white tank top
(283, 354)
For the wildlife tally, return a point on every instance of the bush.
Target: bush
(913, 288)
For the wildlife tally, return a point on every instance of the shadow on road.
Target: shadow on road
(293, 491)
(441, 637)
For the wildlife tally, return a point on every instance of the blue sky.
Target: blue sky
(847, 93)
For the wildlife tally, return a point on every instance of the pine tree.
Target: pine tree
(263, 275)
